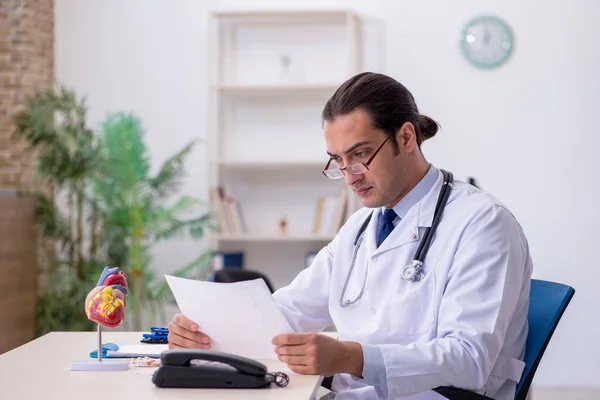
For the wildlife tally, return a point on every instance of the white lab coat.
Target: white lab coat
(464, 324)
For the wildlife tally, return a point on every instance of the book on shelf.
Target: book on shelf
(333, 211)
(229, 213)
(353, 204)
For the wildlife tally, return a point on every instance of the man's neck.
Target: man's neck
(414, 179)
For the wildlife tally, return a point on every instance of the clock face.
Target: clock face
(486, 41)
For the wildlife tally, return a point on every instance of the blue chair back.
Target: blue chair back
(547, 303)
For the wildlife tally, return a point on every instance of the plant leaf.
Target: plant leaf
(194, 227)
(168, 179)
(125, 160)
(199, 265)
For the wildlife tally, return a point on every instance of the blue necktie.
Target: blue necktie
(386, 226)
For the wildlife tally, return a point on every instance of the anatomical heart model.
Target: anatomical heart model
(105, 304)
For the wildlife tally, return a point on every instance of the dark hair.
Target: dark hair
(386, 101)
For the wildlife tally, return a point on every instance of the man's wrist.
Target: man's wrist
(351, 360)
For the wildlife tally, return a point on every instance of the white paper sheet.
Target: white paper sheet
(240, 317)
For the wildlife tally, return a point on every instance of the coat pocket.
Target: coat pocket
(412, 309)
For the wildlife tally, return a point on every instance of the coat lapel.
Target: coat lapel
(370, 242)
(407, 231)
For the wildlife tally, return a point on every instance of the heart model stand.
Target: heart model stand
(105, 305)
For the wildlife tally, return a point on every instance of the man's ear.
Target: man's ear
(407, 137)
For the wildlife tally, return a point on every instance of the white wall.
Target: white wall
(526, 131)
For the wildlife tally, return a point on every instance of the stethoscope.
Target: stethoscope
(413, 272)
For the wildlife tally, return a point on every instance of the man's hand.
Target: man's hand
(317, 354)
(184, 333)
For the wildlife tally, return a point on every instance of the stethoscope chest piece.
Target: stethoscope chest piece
(413, 272)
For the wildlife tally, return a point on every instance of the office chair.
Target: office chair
(547, 303)
(229, 275)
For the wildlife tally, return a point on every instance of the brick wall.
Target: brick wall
(26, 64)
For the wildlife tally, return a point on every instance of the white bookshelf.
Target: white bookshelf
(271, 74)
(275, 238)
(270, 89)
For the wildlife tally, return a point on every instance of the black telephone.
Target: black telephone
(191, 368)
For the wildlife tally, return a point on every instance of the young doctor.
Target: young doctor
(413, 310)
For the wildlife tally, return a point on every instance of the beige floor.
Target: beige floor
(563, 394)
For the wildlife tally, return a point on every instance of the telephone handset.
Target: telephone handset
(193, 368)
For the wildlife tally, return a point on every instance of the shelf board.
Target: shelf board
(255, 171)
(318, 14)
(272, 165)
(274, 238)
(275, 89)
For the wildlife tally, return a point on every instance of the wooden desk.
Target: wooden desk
(40, 369)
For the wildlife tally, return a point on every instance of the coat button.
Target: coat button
(373, 310)
(414, 235)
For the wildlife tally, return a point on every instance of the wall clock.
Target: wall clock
(486, 41)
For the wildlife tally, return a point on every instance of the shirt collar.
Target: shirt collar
(416, 194)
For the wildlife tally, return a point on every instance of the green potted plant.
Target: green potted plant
(139, 209)
(53, 125)
(114, 209)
